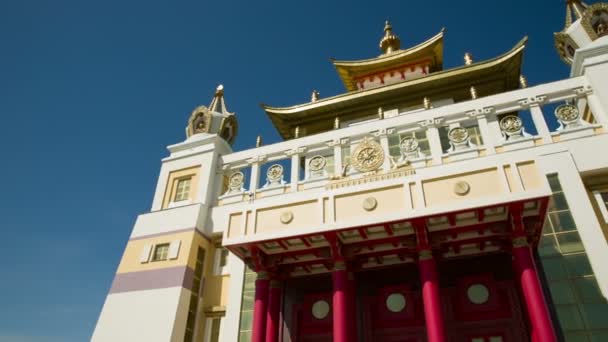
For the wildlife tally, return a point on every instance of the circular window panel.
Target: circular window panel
(395, 302)
(320, 309)
(478, 293)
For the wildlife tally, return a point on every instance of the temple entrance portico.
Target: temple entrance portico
(458, 276)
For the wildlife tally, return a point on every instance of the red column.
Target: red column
(352, 307)
(340, 306)
(260, 306)
(540, 320)
(274, 308)
(431, 297)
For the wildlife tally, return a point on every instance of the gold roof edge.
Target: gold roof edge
(271, 111)
(392, 56)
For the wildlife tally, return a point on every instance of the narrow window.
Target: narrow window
(182, 190)
(160, 252)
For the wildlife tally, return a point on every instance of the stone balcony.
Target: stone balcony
(416, 139)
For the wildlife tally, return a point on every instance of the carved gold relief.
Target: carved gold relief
(199, 122)
(567, 113)
(368, 156)
(595, 20)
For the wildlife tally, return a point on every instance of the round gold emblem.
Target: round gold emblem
(458, 135)
(462, 188)
(370, 203)
(236, 180)
(275, 172)
(511, 124)
(567, 113)
(408, 145)
(368, 156)
(286, 217)
(317, 163)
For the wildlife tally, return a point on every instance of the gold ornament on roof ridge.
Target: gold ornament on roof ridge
(390, 42)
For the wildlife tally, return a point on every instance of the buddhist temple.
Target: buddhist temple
(424, 203)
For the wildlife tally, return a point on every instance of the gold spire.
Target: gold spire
(574, 11)
(218, 104)
(390, 42)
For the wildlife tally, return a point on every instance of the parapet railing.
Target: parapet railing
(418, 138)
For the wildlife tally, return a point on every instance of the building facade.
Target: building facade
(423, 204)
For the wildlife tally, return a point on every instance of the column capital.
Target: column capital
(533, 101)
(262, 275)
(337, 142)
(256, 159)
(294, 151)
(480, 113)
(276, 283)
(520, 241)
(340, 265)
(430, 123)
(583, 91)
(382, 132)
(425, 254)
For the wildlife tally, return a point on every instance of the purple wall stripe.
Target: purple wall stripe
(153, 279)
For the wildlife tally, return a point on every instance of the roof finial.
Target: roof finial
(390, 42)
(574, 11)
(218, 104)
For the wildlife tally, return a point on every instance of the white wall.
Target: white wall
(149, 315)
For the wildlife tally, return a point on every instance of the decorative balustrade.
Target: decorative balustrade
(414, 139)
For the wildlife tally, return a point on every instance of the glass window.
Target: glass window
(562, 221)
(569, 317)
(570, 242)
(586, 290)
(577, 265)
(247, 305)
(475, 135)
(595, 315)
(562, 293)
(395, 140)
(182, 190)
(580, 306)
(345, 155)
(160, 252)
(224, 257)
(558, 202)
(215, 330)
(548, 246)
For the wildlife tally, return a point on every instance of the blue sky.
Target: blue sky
(91, 92)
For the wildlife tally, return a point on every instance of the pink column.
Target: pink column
(258, 332)
(352, 307)
(431, 297)
(340, 306)
(540, 320)
(274, 308)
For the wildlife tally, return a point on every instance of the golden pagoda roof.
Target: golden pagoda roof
(489, 77)
(432, 49)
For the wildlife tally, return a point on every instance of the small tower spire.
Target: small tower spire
(574, 11)
(390, 42)
(218, 104)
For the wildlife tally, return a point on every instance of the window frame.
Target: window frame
(602, 203)
(218, 269)
(209, 324)
(157, 247)
(184, 195)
